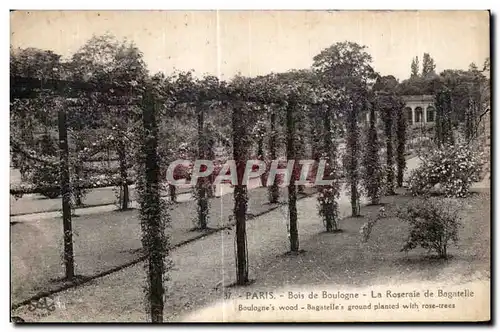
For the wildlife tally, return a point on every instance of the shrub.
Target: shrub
(366, 229)
(453, 168)
(433, 224)
(328, 206)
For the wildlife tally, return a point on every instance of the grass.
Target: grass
(344, 259)
(95, 197)
(339, 259)
(103, 241)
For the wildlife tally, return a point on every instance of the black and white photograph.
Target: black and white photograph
(182, 166)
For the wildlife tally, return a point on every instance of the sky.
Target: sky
(225, 43)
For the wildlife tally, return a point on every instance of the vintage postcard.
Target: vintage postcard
(250, 166)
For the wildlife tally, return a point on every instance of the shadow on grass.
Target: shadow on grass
(291, 253)
(234, 284)
(294, 253)
(429, 260)
(77, 278)
(335, 231)
(203, 230)
(40, 197)
(124, 210)
(376, 204)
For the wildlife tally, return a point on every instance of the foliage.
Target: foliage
(344, 64)
(401, 137)
(36, 63)
(428, 65)
(328, 195)
(328, 206)
(414, 67)
(469, 89)
(43, 174)
(104, 59)
(367, 228)
(154, 211)
(29, 115)
(347, 66)
(387, 84)
(444, 127)
(325, 102)
(472, 91)
(418, 85)
(372, 168)
(352, 158)
(388, 106)
(434, 223)
(453, 168)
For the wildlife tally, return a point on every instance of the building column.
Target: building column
(413, 115)
(425, 114)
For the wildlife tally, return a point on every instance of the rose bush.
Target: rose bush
(452, 169)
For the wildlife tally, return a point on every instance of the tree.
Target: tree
(346, 65)
(35, 63)
(420, 85)
(469, 97)
(104, 59)
(28, 114)
(428, 65)
(486, 65)
(475, 96)
(414, 67)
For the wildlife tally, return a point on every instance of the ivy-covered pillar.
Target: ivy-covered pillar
(69, 262)
(153, 216)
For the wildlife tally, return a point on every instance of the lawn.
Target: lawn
(339, 259)
(35, 203)
(103, 241)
